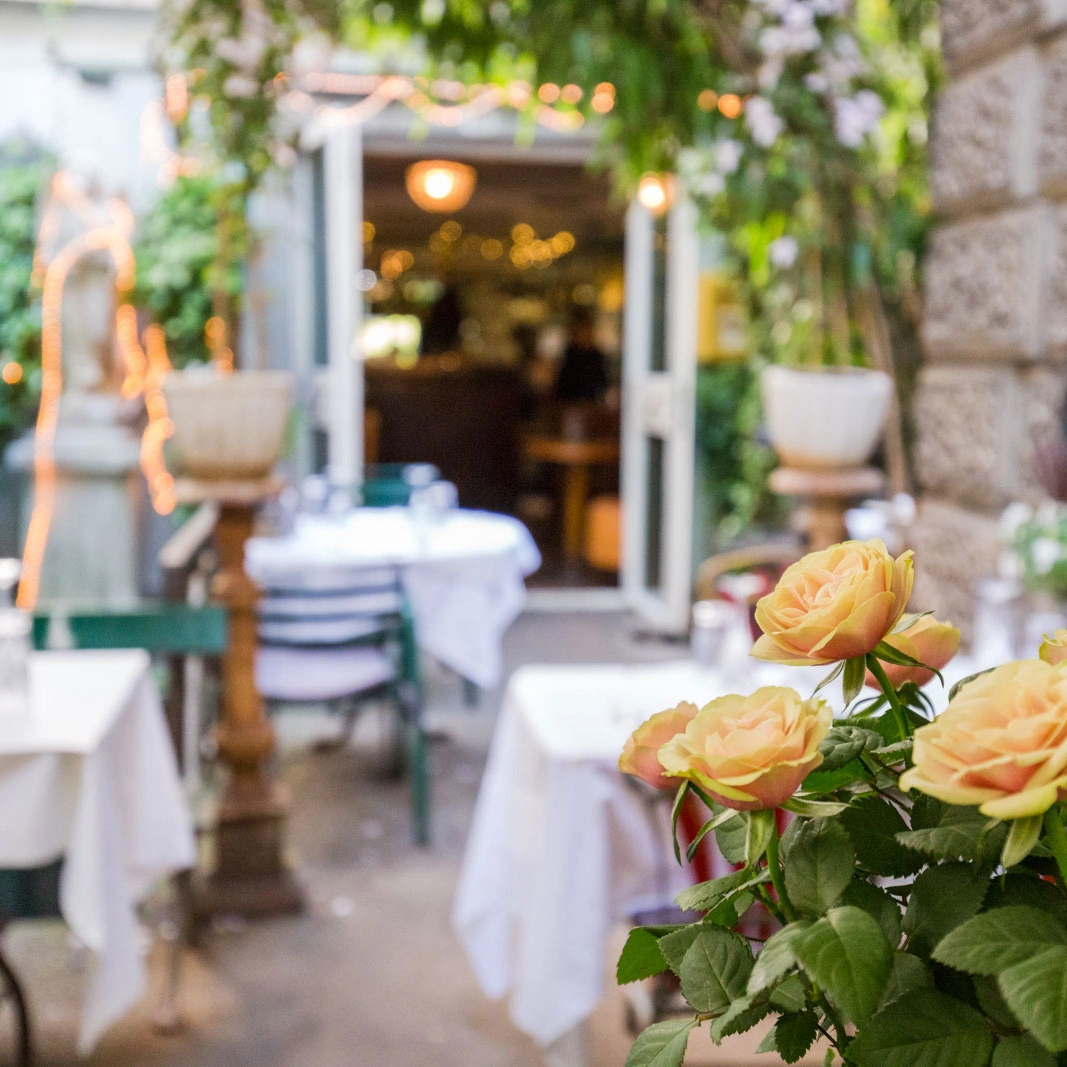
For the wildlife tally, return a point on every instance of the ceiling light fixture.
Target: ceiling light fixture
(440, 184)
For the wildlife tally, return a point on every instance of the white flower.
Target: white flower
(769, 72)
(762, 121)
(710, 184)
(1013, 517)
(772, 41)
(829, 7)
(1046, 552)
(855, 117)
(783, 252)
(798, 16)
(244, 52)
(728, 156)
(816, 82)
(240, 87)
(1009, 566)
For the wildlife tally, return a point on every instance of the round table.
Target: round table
(463, 574)
(575, 457)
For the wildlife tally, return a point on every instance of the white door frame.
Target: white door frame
(660, 405)
(343, 193)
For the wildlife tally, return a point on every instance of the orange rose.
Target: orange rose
(927, 640)
(834, 605)
(1054, 647)
(1000, 744)
(639, 754)
(750, 752)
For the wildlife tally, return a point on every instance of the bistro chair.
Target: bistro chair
(345, 645)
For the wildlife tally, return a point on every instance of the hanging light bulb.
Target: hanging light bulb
(655, 192)
(440, 184)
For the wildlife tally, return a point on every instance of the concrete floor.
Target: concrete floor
(371, 975)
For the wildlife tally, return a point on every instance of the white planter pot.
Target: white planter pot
(230, 426)
(825, 419)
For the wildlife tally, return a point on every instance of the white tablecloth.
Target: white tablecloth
(561, 846)
(463, 575)
(90, 775)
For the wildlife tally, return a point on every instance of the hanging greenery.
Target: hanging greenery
(24, 174)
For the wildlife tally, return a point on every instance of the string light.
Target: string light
(730, 105)
(654, 193)
(160, 426)
(12, 373)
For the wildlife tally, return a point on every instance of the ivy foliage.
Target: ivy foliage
(24, 174)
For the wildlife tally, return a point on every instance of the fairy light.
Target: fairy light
(12, 373)
(160, 427)
(216, 337)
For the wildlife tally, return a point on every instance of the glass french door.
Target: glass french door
(658, 413)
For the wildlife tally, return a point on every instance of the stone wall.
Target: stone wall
(995, 332)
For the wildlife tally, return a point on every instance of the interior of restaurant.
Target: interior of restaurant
(492, 342)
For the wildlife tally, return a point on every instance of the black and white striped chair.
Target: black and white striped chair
(340, 645)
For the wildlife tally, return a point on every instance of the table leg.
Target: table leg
(250, 875)
(575, 494)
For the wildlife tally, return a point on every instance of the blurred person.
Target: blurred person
(583, 372)
(441, 331)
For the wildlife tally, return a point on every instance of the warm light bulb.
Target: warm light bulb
(438, 183)
(653, 193)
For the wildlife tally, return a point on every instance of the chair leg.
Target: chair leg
(471, 693)
(24, 1035)
(410, 703)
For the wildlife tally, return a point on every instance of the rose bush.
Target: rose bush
(921, 887)
(1001, 744)
(923, 638)
(834, 605)
(749, 752)
(640, 755)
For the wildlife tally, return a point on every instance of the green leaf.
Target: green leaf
(814, 809)
(995, 940)
(716, 820)
(760, 828)
(715, 969)
(676, 944)
(942, 898)
(795, 1034)
(676, 811)
(1036, 991)
(1021, 1051)
(742, 1015)
(990, 999)
(907, 974)
(960, 833)
(818, 861)
(1026, 888)
(640, 957)
(661, 1044)
(847, 954)
(924, 1028)
(824, 781)
(705, 895)
(1023, 834)
(852, 682)
(776, 958)
(878, 904)
(731, 837)
(872, 824)
(730, 912)
(832, 676)
(843, 743)
(887, 653)
(791, 995)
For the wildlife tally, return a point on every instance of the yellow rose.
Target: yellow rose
(927, 640)
(750, 752)
(1000, 744)
(639, 754)
(834, 605)
(1054, 647)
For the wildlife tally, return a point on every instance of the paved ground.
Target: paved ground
(371, 975)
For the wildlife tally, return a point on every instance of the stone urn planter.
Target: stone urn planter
(826, 418)
(227, 426)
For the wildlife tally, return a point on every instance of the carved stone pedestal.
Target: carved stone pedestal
(828, 494)
(250, 876)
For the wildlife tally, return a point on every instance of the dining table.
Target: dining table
(88, 776)
(463, 573)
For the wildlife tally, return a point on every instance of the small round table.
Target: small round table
(576, 458)
(830, 493)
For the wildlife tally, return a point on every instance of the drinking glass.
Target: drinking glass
(15, 633)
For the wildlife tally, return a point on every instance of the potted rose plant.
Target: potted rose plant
(921, 886)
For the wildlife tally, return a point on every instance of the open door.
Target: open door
(659, 412)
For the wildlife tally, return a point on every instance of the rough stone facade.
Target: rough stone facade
(995, 333)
